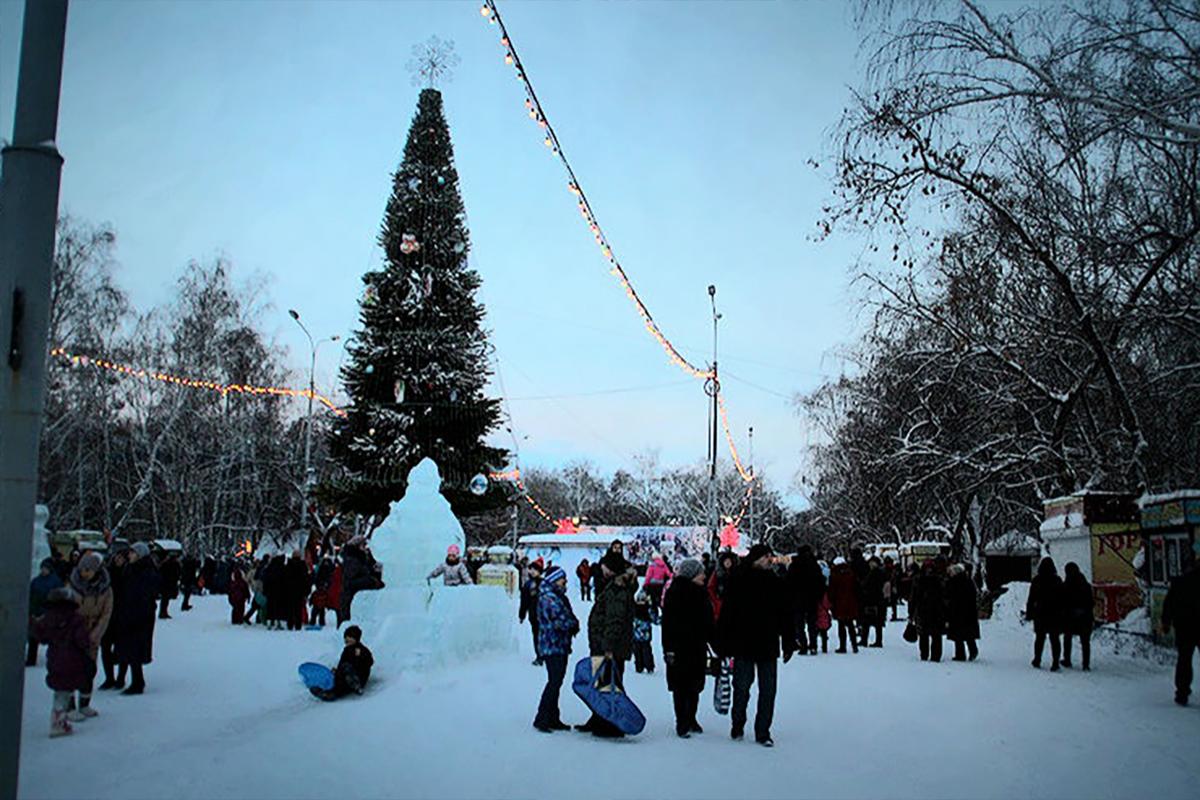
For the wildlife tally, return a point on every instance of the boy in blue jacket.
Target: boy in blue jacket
(40, 588)
(556, 626)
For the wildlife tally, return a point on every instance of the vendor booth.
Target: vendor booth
(1170, 524)
(1099, 531)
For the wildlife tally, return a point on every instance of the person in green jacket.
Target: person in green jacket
(610, 628)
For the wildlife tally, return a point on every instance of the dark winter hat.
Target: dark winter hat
(757, 552)
(141, 548)
(354, 632)
(62, 596)
(47, 563)
(688, 569)
(614, 561)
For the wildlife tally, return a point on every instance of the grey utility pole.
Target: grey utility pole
(752, 539)
(713, 387)
(29, 182)
(312, 390)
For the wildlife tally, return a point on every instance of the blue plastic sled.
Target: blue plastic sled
(593, 685)
(316, 675)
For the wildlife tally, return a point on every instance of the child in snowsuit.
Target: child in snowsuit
(824, 623)
(69, 667)
(643, 653)
(39, 589)
(557, 625)
(452, 571)
(353, 669)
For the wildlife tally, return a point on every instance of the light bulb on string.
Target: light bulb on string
(485, 11)
(508, 59)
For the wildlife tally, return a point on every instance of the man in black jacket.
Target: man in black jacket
(806, 583)
(755, 624)
(168, 575)
(687, 629)
(1181, 610)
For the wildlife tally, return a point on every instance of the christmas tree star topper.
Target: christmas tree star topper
(432, 61)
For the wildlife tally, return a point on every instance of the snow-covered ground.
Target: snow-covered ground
(225, 716)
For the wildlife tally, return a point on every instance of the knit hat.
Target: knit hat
(757, 552)
(688, 569)
(91, 561)
(452, 550)
(837, 562)
(141, 548)
(554, 574)
(354, 632)
(537, 562)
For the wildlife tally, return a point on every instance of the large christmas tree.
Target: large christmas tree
(419, 364)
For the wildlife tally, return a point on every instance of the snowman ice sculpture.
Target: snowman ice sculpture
(410, 624)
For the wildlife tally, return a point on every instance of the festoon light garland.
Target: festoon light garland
(491, 13)
(76, 360)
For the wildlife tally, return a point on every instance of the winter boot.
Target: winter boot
(85, 706)
(59, 726)
(73, 713)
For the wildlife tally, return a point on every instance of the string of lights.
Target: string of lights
(76, 360)
(737, 459)
(745, 504)
(538, 115)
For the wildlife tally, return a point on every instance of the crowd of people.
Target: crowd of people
(755, 610)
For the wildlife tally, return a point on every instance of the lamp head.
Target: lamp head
(712, 291)
(294, 314)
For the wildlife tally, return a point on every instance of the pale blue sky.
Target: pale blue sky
(266, 131)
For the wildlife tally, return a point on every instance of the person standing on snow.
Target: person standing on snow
(718, 582)
(929, 608)
(168, 584)
(755, 624)
(657, 576)
(1181, 611)
(1044, 607)
(643, 628)
(556, 626)
(610, 629)
(239, 593)
(843, 602)
(962, 613)
(188, 569)
(807, 587)
(530, 596)
(47, 580)
(93, 590)
(1078, 615)
(297, 582)
(452, 571)
(133, 616)
(874, 611)
(68, 666)
(584, 573)
(687, 630)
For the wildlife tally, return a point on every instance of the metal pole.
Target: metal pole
(714, 388)
(752, 539)
(29, 184)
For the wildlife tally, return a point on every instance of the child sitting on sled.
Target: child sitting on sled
(353, 669)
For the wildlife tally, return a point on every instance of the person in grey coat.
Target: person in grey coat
(453, 571)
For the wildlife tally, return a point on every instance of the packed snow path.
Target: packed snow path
(224, 715)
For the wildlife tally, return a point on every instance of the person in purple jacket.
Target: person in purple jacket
(69, 665)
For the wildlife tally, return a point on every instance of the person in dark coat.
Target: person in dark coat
(754, 626)
(610, 628)
(321, 598)
(208, 574)
(643, 632)
(62, 567)
(874, 610)
(358, 574)
(530, 593)
(718, 581)
(557, 625)
(928, 607)
(353, 669)
(844, 602)
(297, 583)
(239, 593)
(117, 563)
(189, 568)
(1079, 612)
(806, 583)
(1044, 607)
(1181, 611)
(962, 612)
(47, 580)
(687, 630)
(133, 617)
(860, 568)
(275, 588)
(168, 583)
(891, 584)
(69, 667)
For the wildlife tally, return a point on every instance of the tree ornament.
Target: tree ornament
(459, 247)
(454, 395)
(370, 431)
(479, 485)
(441, 180)
(414, 184)
(428, 283)
(409, 244)
(369, 369)
(370, 295)
(398, 390)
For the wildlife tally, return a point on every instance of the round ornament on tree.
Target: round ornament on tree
(479, 485)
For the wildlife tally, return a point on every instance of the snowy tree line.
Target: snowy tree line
(144, 458)
(1028, 181)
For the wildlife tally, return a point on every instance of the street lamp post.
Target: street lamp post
(713, 387)
(312, 390)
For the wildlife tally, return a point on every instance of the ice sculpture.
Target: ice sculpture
(415, 625)
(41, 538)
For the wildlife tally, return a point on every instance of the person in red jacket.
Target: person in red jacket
(239, 593)
(720, 580)
(843, 599)
(584, 573)
(69, 665)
